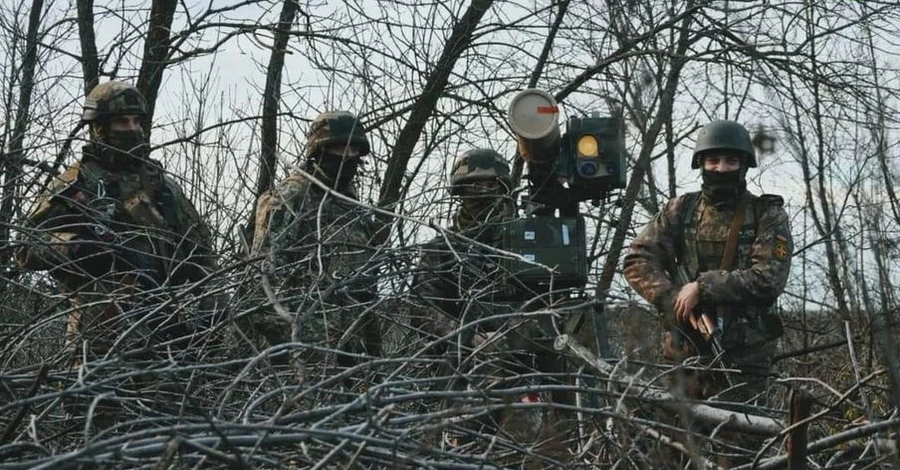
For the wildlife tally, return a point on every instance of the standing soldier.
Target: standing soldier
(118, 235)
(480, 178)
(470, 299)
(316, 247)
(715, 262)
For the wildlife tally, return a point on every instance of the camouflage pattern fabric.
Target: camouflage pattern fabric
(120, 243)
(695, 235)
(316, 251)
(463, 289)
(336, 128)
(458, 283)
(746, 295)
(116, 240)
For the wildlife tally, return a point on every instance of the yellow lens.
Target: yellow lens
(588, 146)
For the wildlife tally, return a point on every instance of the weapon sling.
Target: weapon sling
(729, 255)
(733, 232)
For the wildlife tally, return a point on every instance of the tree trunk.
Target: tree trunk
(459, 41)
(90, 64)
(12, 170)
(271, 99)
(156, 52)
(666, 102)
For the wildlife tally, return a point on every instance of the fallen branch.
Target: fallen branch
(832, 441)
(737, 421)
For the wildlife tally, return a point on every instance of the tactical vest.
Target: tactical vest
(701, 252)
(701, 248)
(317, 244)
(140, 209)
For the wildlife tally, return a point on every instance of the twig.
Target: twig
(742, 422)
(20, 415)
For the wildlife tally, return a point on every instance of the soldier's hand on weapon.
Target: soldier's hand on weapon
(687, 299)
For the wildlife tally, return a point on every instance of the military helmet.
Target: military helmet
(336, 128)
(724, 135)
(111, 99)
(479, 165)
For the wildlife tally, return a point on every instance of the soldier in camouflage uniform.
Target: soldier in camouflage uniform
(481, 179)
(316, 250)
(691, 232)
(119, 236)
(461, 285)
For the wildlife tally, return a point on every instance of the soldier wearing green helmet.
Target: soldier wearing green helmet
(316, 245)
(480, 178)
(114, 111)
(714, 263)
(336, 142)
(465, 297)
(118, 235)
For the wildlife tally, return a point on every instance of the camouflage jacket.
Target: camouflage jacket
(118, 239)
(747, 293)
(311, 239)
(139, 216)
(460, 282)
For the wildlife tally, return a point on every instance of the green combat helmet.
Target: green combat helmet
(112, 99)
(479, 165)
(724, 135)
(103, 104)
(335, 128)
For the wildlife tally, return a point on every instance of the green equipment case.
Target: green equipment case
(556, 244)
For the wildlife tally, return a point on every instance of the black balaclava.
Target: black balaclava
(119, 148)
(723, 189)
(336, 171)
(481, 205)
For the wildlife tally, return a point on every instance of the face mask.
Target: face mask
(723, 188)
(335, 170)
(123, 148)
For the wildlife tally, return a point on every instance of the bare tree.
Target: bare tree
(431, 80)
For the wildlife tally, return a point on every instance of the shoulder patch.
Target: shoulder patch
(781, 250)
(771, 200)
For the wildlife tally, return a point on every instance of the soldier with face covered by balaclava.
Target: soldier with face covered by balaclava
(314, 242)
(469, 308)
(119, 236)
(734, 250)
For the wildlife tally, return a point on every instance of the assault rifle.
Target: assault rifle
(706, 326)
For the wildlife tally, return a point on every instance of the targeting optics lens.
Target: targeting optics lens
(588, 169)
(588, 146)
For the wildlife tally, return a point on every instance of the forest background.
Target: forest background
(233, 85)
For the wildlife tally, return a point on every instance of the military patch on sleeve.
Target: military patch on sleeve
(780, 250)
